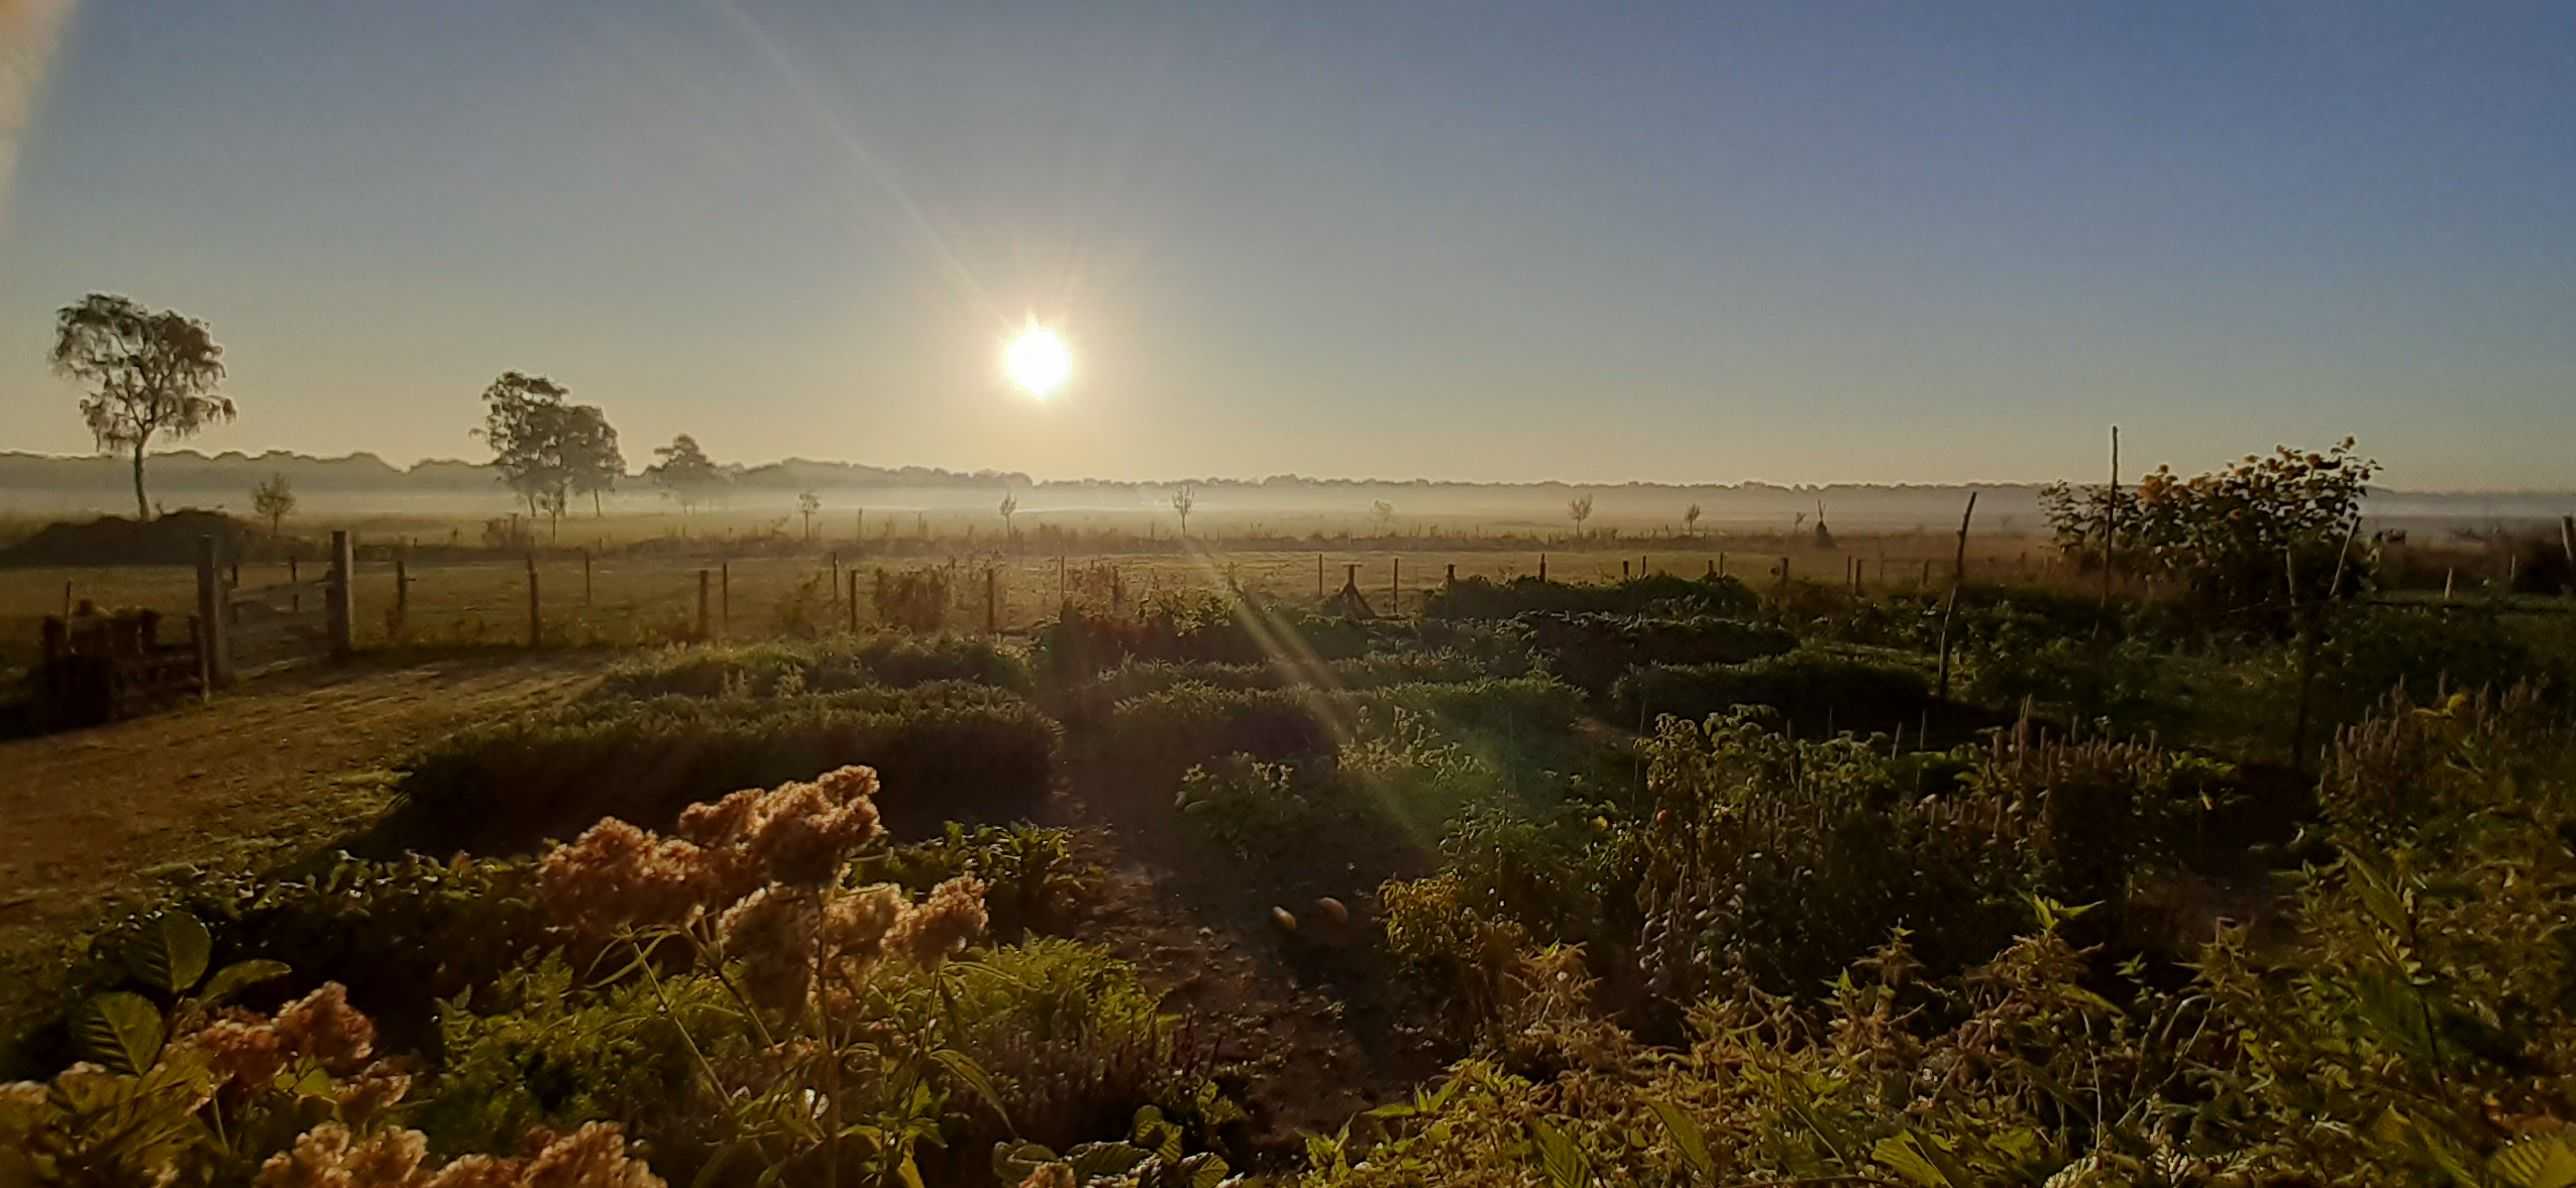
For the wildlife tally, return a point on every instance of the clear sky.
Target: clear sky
(1796, 242)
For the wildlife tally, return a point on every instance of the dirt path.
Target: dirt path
(286, 763)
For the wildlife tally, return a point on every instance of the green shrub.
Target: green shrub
(827, 666)
(1592, 651)
(1817, 691)
(1484, 598)
(945, 751)
(537, 1048)
(1032, 880)
(1149, 741)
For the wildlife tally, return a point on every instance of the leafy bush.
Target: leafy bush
(964, 752)
(1817, 691)
(1032, 880)
(1151, 740)
(1591, 651)
(1484, 598)
(914, 599)
(780, 668)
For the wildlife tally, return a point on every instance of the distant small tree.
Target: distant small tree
(1690, 520)
(806, 505)
(1010, 507)
(592, 461)
(684, 473)
(1384, 513)
(1182, 502)
(1579, 509)
(538, 441)
(148, 374)
(274, 500)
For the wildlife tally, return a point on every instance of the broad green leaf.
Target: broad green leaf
(171, 954)
(2546, 1161)
(1105, 1159)
(121, 1030)
(1559, 1157)
(1902, 1154)
(1013, 1161)
(1687, 1136)
(239, 976)
(1204, 1170)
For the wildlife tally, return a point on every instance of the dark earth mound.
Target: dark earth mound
(170, 539)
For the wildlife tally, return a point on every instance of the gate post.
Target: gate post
(343, 607)
(214, 642)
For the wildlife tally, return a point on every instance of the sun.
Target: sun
(1037, 361)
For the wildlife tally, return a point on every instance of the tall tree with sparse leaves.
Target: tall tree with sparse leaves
(274, 500)
(149, 374)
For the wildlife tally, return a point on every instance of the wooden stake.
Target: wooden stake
(340, 602)
(703, 634)
(1958, 577)
(853, 601)
(536, 620)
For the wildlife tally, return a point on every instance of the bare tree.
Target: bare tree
(1690, 520)
(1182, 502)
(1384, 513)
(1578, 509)
(148, 374)
(273, 498)
(806, 505)
(1010, 507)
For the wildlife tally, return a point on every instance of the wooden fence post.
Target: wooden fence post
(536, 618)
(342, 607)
(703, 636)
(1319, 577)
(402, 592)
(214, 641)
(993, 602)
(585, 579)
(1623, 570)
(854, 600)
(1958, 577)
(1542, 567)
(1395, 586)
(724, 599)
(294, 588)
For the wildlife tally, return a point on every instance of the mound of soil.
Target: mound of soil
(115, 540)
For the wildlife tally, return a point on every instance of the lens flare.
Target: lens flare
(1037, 361)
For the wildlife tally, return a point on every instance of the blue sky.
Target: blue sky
(1802, 242)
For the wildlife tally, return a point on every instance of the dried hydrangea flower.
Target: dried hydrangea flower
(591, 1157)
(324, 1027)
(941, 927)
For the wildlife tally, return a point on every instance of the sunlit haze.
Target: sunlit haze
(1874, 242)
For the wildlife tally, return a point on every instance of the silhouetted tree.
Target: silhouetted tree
(806, 505)
(1690, 520)
(1010, 507)
(1579, 509)
(684, 473)
(148, 374)
(274, 499)
(591, 454)
(1182, 502)
(1384, 513)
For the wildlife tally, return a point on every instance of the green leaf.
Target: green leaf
(964, 1068)
(171, 954)
(1902, 1154)
(121, 1030)
(1013, 1161)
(1204, 1170)
(1687, 1137)
(1105, 1159)
(1559, 1157)
(2545, 1161)
(239, 976)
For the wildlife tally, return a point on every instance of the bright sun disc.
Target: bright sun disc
(1037, 361)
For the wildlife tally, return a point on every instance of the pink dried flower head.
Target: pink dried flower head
(855, 923)
(591, 1157)
(941, 927)
(1049, 1175)
(373, 1091)
(242, 1054)
(805, 835)
(726, 821)
(846, 784)
(325, 1028)
(22, 1094)
(772, 933)
(616, 874)
(328, 1157)
(477, 1171)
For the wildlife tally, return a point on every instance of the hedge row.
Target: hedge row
(1817, 691)
(944, 751)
